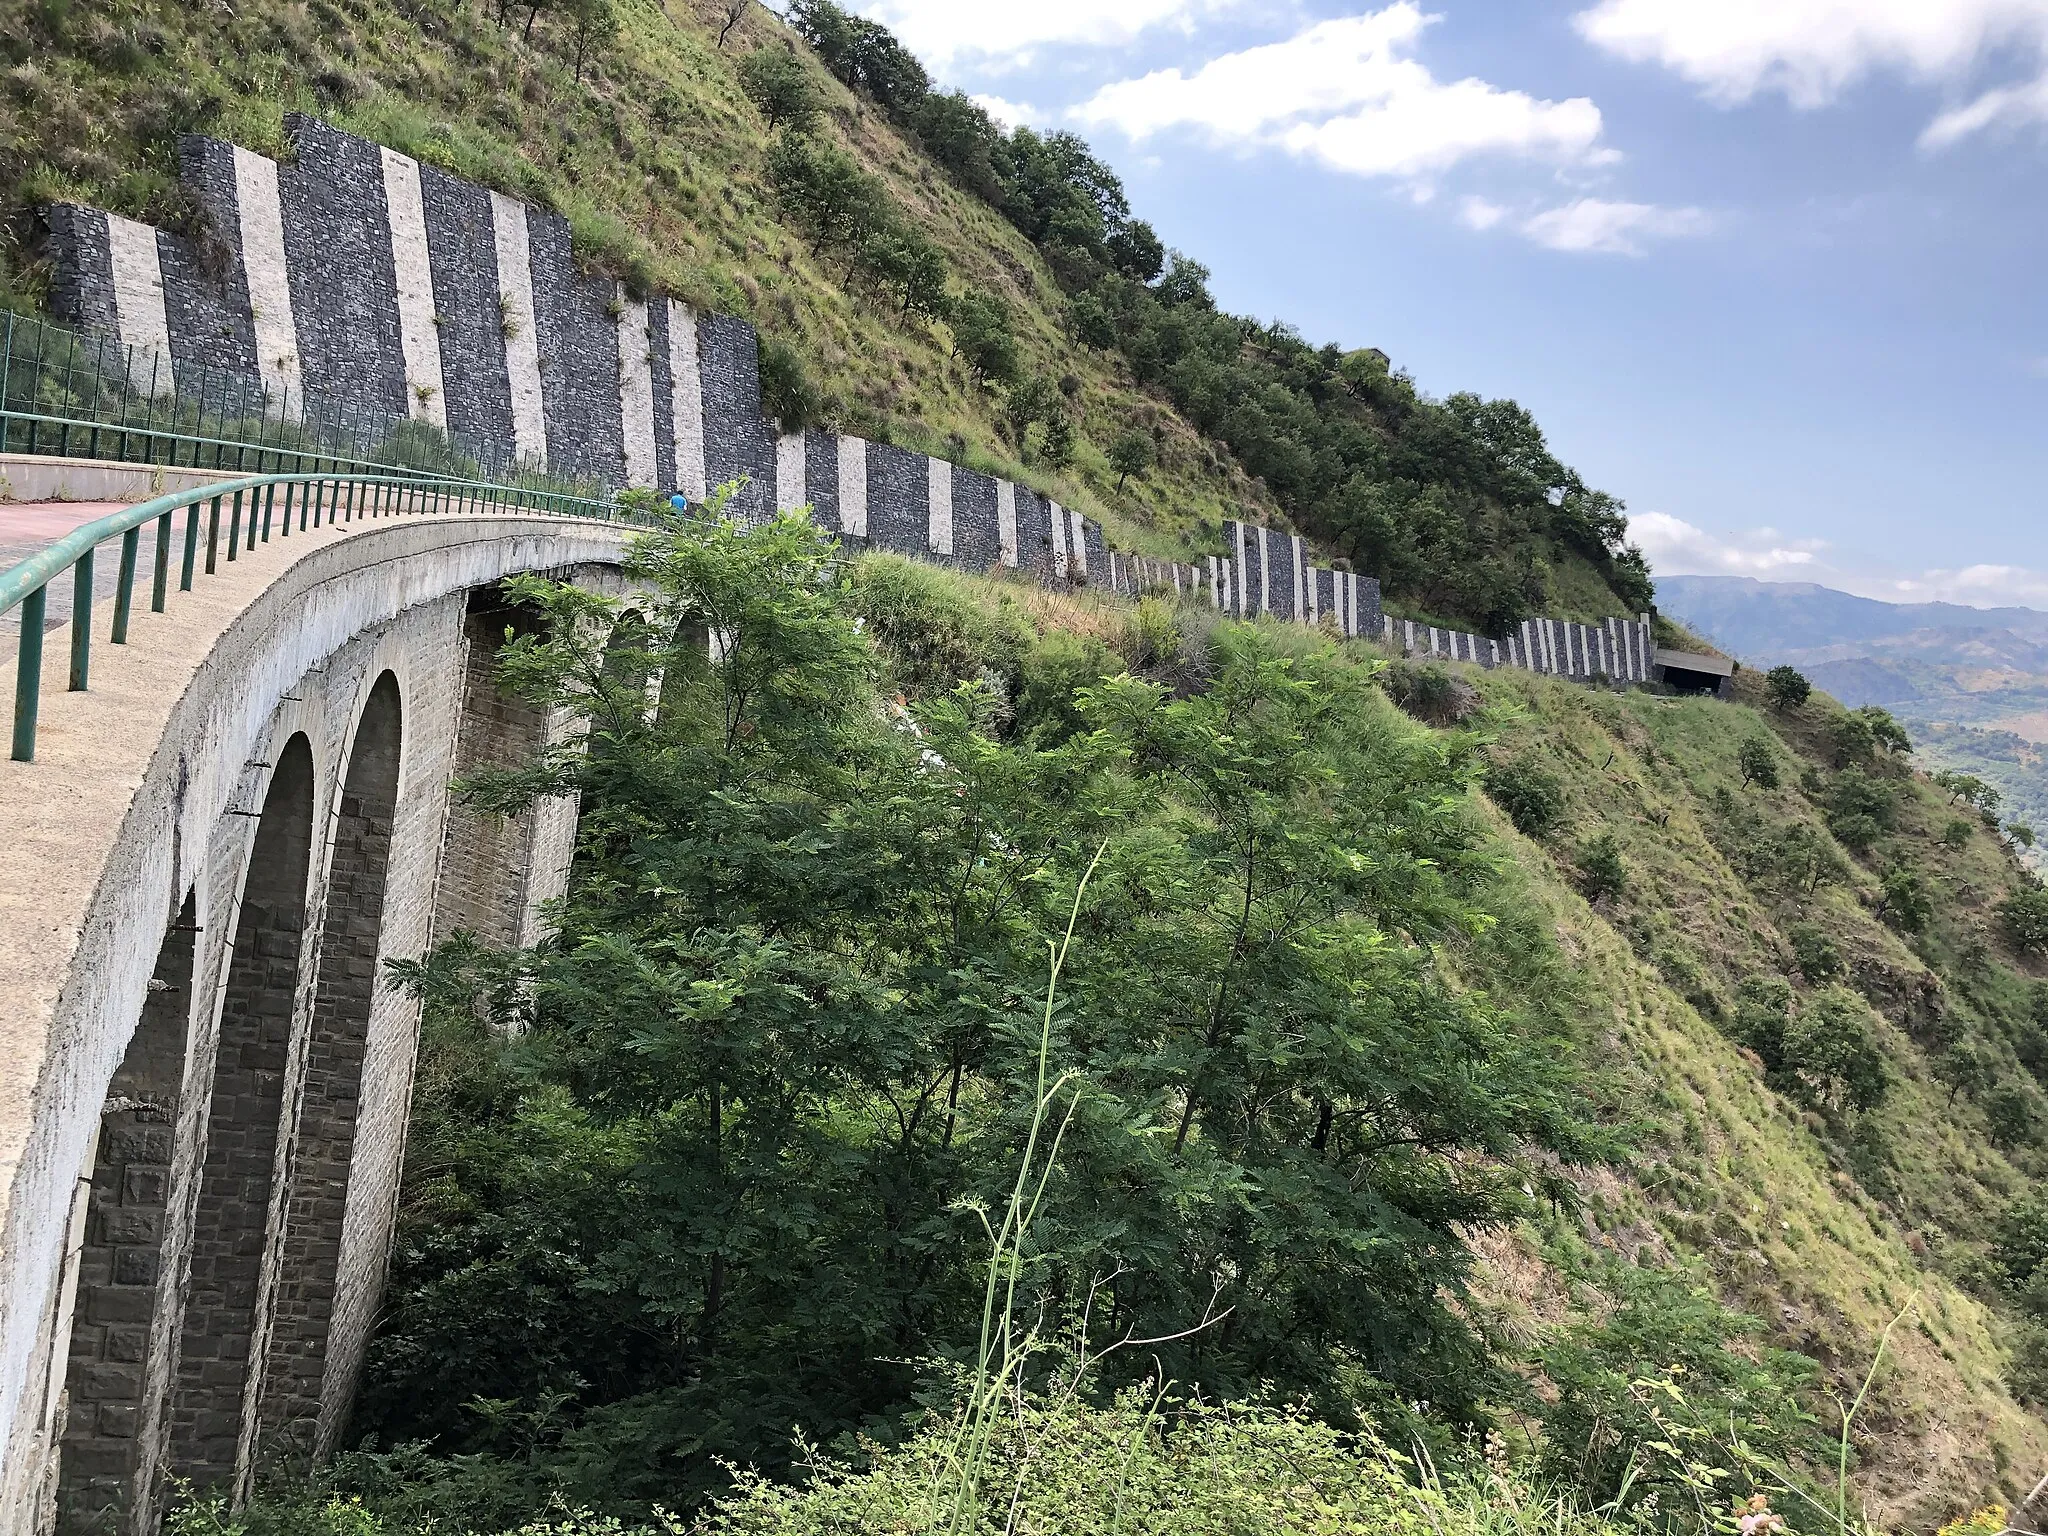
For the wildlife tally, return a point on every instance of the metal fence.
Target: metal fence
(67, 392)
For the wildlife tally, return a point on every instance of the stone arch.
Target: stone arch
(120, 1261)
(347, 979)
(218, 1339)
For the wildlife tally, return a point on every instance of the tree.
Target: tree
(1956, 834)
(1829, 1047)
(1851, 738)
(1967, 1067)
(2021, 834)
(1786, 687)
(1884, 730)
(1031, 398)
(2024, 916)
(1759, 764)
(733, 13)
(597, 23)
(720, 1181)
(1130, 454)
(776, 81)
(984, 337)
(1903, 899)
(1056, 445)
(1530, 794)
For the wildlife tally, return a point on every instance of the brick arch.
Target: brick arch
(218, 1337)
(347, 980)
(120, 1260)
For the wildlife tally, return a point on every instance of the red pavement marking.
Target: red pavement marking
(44, 522)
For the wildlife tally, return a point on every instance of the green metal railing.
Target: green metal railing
(255, 506)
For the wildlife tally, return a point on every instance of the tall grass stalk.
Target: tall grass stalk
(1002, 1354)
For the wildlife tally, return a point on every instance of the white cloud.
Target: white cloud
(1349, 93)
(1478, 213)
(1596, 225)
(999, 33)
(1010, 114)
(1974, 586)
(1678, 548)
(1811, 51)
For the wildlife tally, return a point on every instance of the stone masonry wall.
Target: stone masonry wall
(434, 298)
(243, 1123)
(120, 1267)
(352, 929)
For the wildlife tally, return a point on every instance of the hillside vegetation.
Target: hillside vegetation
(919, 275)
(1582, 1091)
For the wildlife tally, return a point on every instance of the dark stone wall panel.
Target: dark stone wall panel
(82, 256)
(977, 541)
(207, 169)
(475, 390)
(337, 243)
(579, 357)
(664, 376)
(899, 499)
(737, 440)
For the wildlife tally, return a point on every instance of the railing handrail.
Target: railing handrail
(47, 564)
(26, 584)
(234, 444)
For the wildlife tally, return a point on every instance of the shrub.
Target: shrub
(1787, 688)
(1531, 795)
(1903, 900)
(1851, 739)
(777, 82)
(1957, 833)
(1855, 831)
(2014, 1109)
(787, 393)
(1600, 1426)
(1814, 952)
(1601, 870)
(2019, 1243)
(1432, 694)
(1832, 1051)
(2024, 916)
(1762, 1012)
(931, 632)
(1759, 764)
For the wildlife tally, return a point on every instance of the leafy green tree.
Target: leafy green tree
(984, 337)
(596, 24)
(1968, 1066)
(1815, 953)
(1884, 730)
(1056, 445)
(1903, 898)
(2021, 834)
(2024, 916)
(1851, 738)
(1130, 454)
(912, 266)
(1830, 1049)
(2014, 1110)
(776, 81)
(1758, 762)
(2021, 1242)
(1805, 858)
(717, 1156)
(1956, 834)
(1786, 687)
(1763, 1012)
(1032, 398)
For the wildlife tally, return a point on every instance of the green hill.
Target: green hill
(919, 276)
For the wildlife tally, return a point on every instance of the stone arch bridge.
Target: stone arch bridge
(204, 1071)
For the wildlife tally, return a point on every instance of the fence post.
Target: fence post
(212, 533)
(124, 589)
(163, 564)
(28, 675)
(191, 546)
(81, 621)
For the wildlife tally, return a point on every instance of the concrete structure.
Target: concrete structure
(204, 1069)
(1612, 651)
(1692, 671)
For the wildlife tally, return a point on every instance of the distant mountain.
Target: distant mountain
(1766, 622)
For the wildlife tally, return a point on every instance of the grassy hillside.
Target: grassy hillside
(1821, 1219)
(647, 142)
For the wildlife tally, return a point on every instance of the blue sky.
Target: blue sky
(1772, 271)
